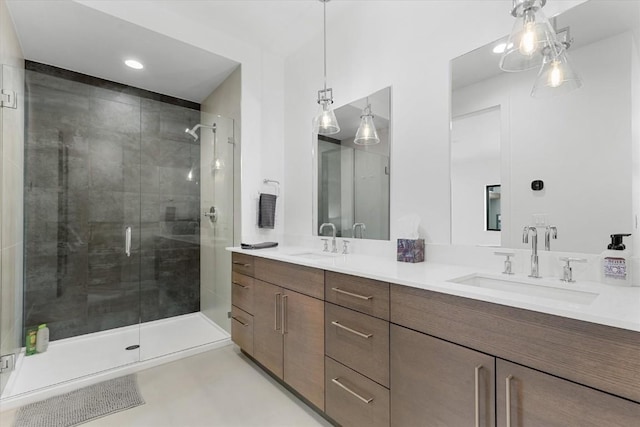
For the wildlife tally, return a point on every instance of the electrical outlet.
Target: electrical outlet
(540, 220)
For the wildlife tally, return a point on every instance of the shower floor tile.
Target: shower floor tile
(85, 355)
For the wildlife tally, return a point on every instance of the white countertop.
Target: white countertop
(617, 306)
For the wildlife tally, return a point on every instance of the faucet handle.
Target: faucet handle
(567, 270)
(345, 247)
(507, 262)
(326, 245)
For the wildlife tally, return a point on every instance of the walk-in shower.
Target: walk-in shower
(121, 254)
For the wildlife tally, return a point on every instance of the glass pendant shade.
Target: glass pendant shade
(325, 123)
(366, 134)
(556, 76)
(530, 34)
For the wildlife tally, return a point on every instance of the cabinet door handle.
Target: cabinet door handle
(241, 263)
(507, 382)
(477, 395)
(337, 382)
(285, 321)
(276, 312)
(239, 284)
(351, 294)
(240, 321)
(353, 331)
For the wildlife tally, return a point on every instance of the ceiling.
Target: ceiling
(77, 37)
(588, 22)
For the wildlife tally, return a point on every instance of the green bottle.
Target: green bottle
(30, 347)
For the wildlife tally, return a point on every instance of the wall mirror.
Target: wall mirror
(351, 181)
(582, 145)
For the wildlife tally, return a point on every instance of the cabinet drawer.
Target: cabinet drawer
(358, 341)
(360, 294)
(354, 400)
(306, 280)
(242, 292)
(242, 329)
(243, 264)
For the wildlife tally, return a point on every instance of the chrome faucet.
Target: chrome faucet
(534, 248)
(549, 233)
(362, 227)
(334, 247)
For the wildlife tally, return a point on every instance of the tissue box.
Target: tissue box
(411, 250)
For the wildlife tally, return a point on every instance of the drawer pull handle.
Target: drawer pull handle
(337, 382)
(240, 321)
(239, 284)
(353, 331)
(477, 394)
(508, 398)
(351, 294)
(241, 263)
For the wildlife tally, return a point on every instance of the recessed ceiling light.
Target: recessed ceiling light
(500, 48)
(134, 64)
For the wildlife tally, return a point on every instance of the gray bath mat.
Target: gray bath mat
(83, 405)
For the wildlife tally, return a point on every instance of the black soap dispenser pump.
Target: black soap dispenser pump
(616, 268)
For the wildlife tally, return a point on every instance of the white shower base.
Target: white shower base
(87, 359)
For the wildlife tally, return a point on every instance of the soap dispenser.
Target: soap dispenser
(616, 268)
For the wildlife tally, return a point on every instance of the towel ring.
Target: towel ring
(276, 184)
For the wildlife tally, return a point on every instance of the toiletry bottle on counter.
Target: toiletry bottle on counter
(616, 268)
(42, 338)
(30, 341)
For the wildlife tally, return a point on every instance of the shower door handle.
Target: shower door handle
(127, 241)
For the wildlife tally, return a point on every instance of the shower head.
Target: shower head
(193, 130)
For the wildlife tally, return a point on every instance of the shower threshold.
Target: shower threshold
(76, 362)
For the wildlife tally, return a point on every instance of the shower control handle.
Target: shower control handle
(212, 214)
(127, 241)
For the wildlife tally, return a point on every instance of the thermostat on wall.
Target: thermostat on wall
(537, 185)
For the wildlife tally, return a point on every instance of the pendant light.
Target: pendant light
(556, 76)
(366, 134)
(530, 34)
(325, 122)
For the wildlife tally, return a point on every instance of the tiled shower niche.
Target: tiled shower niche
(100, 157)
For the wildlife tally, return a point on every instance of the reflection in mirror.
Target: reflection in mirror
(583, 144)
(352, 190)
(492, 202)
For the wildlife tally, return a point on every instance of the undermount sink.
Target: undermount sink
(314, 256)
(528, 287)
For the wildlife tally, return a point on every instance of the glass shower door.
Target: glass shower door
(82, 194)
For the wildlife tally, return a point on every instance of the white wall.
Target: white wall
(410, 50)
(580, 149)
(261, 107)
(475, 163)
(11, 189)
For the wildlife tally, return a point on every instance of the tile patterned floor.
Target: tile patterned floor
(217, 388)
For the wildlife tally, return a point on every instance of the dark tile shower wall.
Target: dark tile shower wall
(98, 160)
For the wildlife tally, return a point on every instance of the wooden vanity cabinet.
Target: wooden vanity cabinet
(242, 288)
(404, 356)
(437, 383)
(288, 331)
(529, 398)
(268, 340)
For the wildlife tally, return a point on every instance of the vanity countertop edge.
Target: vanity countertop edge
(616, 306)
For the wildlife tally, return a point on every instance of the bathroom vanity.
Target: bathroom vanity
(368, 341)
